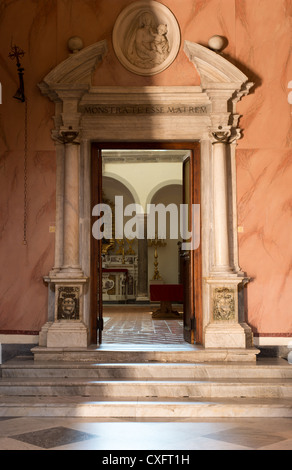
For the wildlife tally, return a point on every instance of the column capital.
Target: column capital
(224, 135)
(67, 136)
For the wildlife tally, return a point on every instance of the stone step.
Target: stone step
(134, 389)
(145, 354)
(76, 407)
(273, 369)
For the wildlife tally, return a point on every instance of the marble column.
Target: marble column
(59, 237)
(67, 328)
(142, 294)
(71, 262)
(59, 231)
(225, 329)
(220, 207)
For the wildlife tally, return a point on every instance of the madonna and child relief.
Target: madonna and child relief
(146, 38)
(147, 44)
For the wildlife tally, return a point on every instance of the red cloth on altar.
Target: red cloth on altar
(166, 293)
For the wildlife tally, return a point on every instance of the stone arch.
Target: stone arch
(160, 186)
(125, 183)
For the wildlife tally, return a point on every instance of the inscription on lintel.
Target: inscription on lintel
(142, 109)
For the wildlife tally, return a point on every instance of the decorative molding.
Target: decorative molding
(67, 137)
(140, 156)
(19, 332)
(245, 90)
(221, 136)
(224, 304)
(225, 85)
(272, 339)
(222, 86)
(225, 136)
(213, 68)
(68, 307)
(79, 67)
(273, 335)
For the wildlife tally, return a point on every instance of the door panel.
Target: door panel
(96, 251)
(187, 256)
(189, 333)
(192, 260)
(197, 254)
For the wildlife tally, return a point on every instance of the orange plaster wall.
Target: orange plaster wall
(259, 35)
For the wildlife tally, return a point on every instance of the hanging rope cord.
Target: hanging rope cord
(16, 53)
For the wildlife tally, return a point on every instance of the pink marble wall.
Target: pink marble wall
(263, 46)
(259, 35)
(23, 294)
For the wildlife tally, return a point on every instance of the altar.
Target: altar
(119, 278)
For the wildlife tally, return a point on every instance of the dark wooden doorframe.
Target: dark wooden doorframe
(96, 311)
(96, 320)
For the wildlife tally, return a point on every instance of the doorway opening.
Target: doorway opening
(146, 281)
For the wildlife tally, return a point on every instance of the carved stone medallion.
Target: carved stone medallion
(146, 37)
(68, 303)
(224, 304)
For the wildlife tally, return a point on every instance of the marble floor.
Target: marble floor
(116, 435)
(134, 324)
(131, 327)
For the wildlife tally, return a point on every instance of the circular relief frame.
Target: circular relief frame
(146, 37)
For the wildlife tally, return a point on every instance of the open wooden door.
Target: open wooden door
(96, 251)
(191, 260)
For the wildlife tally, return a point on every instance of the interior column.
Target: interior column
(68, 328)
(226, 329)
(142, 293)
(71, 209)
(59, 229)
(220, 195)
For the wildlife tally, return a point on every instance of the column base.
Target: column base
(67, 329)
(43, 335)
(69, 272)
(67, 334)
(223, 270)
(228, 335)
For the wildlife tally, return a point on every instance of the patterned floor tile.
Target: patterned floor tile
(247, 437)
(53, 437)
(135, 325)
(96, 434)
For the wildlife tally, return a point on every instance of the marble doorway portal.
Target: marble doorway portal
(208, 114)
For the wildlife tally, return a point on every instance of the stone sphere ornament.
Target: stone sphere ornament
(75, 44)
(217, 43)
(146, 37)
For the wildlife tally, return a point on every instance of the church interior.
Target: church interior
(130, 266)
(139, 179)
